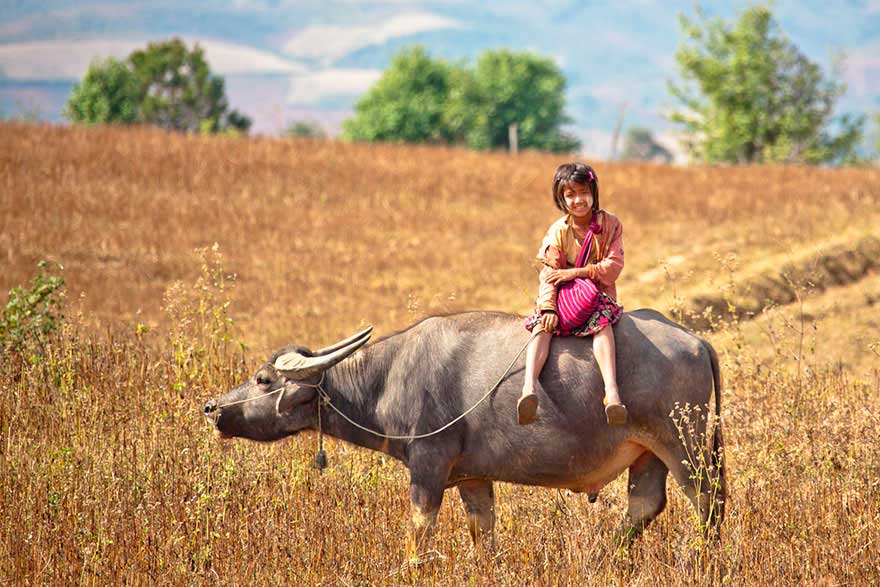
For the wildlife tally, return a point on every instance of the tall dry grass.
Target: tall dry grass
(390, 232)
(110, 475)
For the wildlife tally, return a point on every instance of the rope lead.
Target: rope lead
(320, 456)
(326, 398)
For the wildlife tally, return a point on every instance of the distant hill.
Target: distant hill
(287, 61)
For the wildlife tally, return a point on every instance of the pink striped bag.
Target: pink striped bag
(576, 300)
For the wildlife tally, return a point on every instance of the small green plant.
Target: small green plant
(695, 431)
(677, 308)
(33, 312)
(202, 329)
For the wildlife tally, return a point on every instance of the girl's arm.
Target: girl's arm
(546, 291)
(552, 259)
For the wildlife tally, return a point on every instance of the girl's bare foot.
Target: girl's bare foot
(616, 414)
(615, 411)
(527, 407)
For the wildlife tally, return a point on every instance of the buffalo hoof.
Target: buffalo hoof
(592, 497)
(526, 408)
(616, 414)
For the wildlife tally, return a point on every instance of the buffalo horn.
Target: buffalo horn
(304, 367)
(344, 343)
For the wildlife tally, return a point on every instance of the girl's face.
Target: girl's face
(578, 199)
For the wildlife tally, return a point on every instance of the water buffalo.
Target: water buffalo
(420, 379)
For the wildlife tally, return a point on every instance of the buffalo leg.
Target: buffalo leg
(646, 491)
(479, 502)
(426, 495)
(688, 467)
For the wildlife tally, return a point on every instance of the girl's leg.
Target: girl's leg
(536, 356)
(604, 351)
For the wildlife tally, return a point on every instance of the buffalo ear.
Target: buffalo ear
(288, 400)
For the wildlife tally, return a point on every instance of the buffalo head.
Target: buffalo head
(280, 399)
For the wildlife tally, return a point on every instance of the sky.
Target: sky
(295, 60)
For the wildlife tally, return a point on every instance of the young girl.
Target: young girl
(576, 192)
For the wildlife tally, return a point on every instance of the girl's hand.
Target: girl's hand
(549, 320)
(557, 276)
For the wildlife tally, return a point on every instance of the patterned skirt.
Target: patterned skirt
(607, 312)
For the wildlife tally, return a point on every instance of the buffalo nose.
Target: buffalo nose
(210, 407)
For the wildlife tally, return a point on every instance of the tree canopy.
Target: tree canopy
(522, 89)
(166, 85)
(407, 102)
(179, 92)
(877, 135)
(108, 93)
(422, 99)
(750, 96)
(641, 145)
(304, 129)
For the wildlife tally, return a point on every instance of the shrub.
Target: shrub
(31, 314)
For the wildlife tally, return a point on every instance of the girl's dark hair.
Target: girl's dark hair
(579, 173)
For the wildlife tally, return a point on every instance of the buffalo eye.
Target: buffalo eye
(263, 380)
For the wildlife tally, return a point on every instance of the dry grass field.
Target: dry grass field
(188, 259)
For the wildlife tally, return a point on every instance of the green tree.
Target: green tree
(406, 104)
(421, 99)
(304, 128)
(519, 88)
(461, 112)
(750, 96)
(178, 91)
(640, 145)
(109, 93)
(877, 135)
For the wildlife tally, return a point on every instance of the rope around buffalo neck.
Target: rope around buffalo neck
(326, 399)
